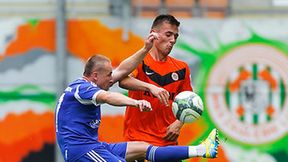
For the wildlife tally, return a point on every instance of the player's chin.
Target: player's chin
(106, 88)
(167, 51)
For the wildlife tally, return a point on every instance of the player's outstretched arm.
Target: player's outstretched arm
(132, 83)
(129, 64)
(118, 99)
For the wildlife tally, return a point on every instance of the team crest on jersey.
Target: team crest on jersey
(247, 94)
(175, 76)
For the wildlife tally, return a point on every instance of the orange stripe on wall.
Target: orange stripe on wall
(28, 37)
(21, 134)
(89, 37)
(84, 38)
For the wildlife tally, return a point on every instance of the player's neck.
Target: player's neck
(86, 78)
(157, 56)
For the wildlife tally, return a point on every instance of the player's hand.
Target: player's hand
(143, 105)
(173, 131)
(149, 41)
(161, 93)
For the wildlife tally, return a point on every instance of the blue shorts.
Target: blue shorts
(114, 152)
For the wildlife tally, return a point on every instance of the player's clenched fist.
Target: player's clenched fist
(143, 105)
(150, 39)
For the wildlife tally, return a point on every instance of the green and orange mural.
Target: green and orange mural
(29, 124)
(251, 129)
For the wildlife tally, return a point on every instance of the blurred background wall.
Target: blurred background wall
(237, 51)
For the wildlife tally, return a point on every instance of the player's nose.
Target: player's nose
(173, 40)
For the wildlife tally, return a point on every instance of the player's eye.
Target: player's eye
(168, 34)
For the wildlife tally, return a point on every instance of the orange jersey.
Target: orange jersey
(172, 75)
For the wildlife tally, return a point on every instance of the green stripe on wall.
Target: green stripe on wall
(255, 119)
(255, 77)
(227, 95)
(242, 118)
(255, 71)
(282, 93)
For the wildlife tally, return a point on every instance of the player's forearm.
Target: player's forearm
(129, 64)
(133, 61)
(131, 83)
(116, 99)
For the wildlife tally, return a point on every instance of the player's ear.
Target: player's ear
(95, 75)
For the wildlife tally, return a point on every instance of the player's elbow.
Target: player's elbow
(103, 97)
(123, 83)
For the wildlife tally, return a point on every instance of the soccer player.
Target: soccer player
(78, 116)
(158, 127)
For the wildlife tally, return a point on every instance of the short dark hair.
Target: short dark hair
(165, 18)
(95, 63)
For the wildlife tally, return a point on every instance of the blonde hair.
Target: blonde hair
(95, 63)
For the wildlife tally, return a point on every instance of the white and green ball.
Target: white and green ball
(187, 106)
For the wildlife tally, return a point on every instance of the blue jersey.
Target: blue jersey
(77, 118)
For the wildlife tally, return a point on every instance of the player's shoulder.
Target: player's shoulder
(82, 83)
(78, 81)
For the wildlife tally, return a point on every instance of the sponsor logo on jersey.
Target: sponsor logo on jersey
(95, 123)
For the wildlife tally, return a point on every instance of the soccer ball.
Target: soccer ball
(187, 106)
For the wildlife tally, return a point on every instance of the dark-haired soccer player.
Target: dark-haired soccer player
(158, 127)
